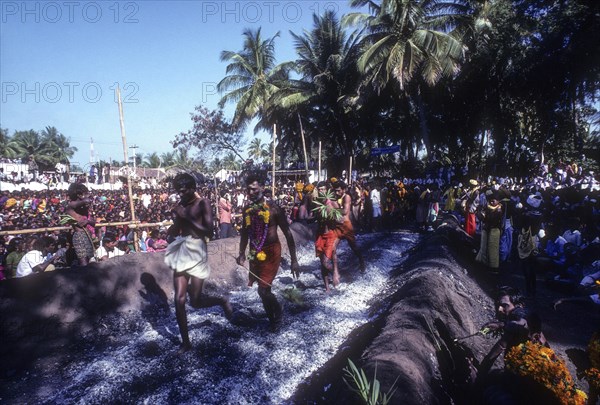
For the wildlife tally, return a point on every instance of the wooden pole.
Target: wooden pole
(304, 147)
(350, 173)
(217, 196)
(131, 224)
(124, 139)
(273, 171)
(319, 176)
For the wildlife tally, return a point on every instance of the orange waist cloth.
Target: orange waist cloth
(265, 271)
(325, 243)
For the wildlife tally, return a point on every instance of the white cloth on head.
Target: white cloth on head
(190, 255)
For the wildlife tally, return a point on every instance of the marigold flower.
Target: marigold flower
(546, 368)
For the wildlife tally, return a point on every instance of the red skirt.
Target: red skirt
(265, 271)
(470, 224)
(325, 244)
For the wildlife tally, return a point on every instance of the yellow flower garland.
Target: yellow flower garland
(545, 367)
(261, 211)
(592, 375)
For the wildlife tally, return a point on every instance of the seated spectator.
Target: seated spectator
(16, 251)
(63, 247)
(588, 289)
(108, 249)
(2, 261)
(155, 243)
(38, 260)
(142, 241)
(124, 246)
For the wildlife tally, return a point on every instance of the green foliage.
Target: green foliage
(252, 76)
(66, 219)
(490, 85)
(211, 135)
(293, 295)
(325, 210)
(258, 151)
(369, 391)
(46, 148)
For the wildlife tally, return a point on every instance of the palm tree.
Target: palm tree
(152, 160)
(409, 39)
(182, 160)
(215, 165)
(230, 162)
(252, 76)
(257, 150)
(62, 151)
(167, 158)
(321, 98)
(33, 147)
(8, 147)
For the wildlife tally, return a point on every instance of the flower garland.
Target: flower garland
(257, 219)
(546, 368)
(300, 189)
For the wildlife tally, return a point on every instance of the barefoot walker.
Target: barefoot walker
(188, 256)
(260, 222)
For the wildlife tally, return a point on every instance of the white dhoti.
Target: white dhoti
(190, 255)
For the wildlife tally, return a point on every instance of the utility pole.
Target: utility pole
(92, 155)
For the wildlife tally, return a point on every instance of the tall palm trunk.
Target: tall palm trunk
(423, 125)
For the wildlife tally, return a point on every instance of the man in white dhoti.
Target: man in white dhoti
(187, 255)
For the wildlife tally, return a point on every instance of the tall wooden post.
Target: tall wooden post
(124, 139)
(350, 173)
(273, 170)
(319, 176)
(304, 148)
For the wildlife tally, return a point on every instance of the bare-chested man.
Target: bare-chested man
(259, 227)
(78, 209)
(345, 230)
(326, 241)
(188, 255)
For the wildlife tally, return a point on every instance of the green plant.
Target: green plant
(325, 210)
(369, 392)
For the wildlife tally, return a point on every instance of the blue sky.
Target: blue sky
(60, 62)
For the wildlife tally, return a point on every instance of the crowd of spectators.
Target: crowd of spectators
(555, 212)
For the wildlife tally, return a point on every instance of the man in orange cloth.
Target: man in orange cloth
(327, 238)
(345, 230)
(260, 220)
